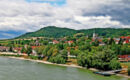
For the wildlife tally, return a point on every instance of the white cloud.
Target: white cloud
(23, 16)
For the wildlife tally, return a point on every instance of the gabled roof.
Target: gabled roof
(33, 47)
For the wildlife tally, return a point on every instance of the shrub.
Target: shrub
(33, 57)
(57, 59)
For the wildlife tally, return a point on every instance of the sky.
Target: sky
(21, 16)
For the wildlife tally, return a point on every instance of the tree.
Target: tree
(95, 43)
(39, 50)
(46, 49)
(105, 41)
(75, 52)
(50, 52)
(111, 41)
(11, 49)
(114, 64)
(57, 59)
(82, 60)
(60, 46)
(121, 41)
(78, 35)
(106, 60)
(64, 54)
(23, 50)
(29, 50)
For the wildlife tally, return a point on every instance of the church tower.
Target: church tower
(95, 36)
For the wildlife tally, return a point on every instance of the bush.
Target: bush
(11, 55)
(104, 60)
(57, 59)
(114, 64)
(33, 57)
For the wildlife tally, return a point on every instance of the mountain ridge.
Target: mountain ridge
(57, 32)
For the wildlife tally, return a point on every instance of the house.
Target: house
(99, 39)
(4, 49)
(55, 42)
(117, 40)
(33, 50)
(18, 50)
(124, 58)
(69, 42)
(101, 44)
(126, 42)
(126, 39)
(96, 37)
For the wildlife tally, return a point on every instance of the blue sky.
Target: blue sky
(21, 16)
(52, 2)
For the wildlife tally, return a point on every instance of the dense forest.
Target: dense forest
(56, 32)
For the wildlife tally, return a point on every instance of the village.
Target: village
(36, 44)
(66, 50)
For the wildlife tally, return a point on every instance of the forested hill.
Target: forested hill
(56, 32)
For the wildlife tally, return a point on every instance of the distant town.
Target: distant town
(80, 49)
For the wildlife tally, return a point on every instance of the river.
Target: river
(13, 69)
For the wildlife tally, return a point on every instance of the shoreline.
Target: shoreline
(65, 65)
(45, 62)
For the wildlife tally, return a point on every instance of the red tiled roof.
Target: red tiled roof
(122, 37)
(125, 37)
(55, 41)
(17, 48)
(33, 47)
(128, 37)
(127, 41)
(70, 41)
(124, 56)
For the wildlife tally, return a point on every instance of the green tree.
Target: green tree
(82, 60)
(11, 49)
(64, 54)
(111, 41)
(23, 50)
(29, 50)
(57, 59)
(114, 64)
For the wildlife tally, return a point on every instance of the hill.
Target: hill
(50, 31)
(56, 32)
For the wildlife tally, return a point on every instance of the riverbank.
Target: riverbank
(46, 62)
(41, 61)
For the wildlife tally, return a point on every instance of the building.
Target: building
(95, 36)
(101, 44)
(4, 49)
(69, 42)
(124, 58)
(18, 50)
(126, 39)
(117, 40)
(33, 50)
(55, 42)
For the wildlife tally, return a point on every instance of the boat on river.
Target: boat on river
(103, 73)
(108, 73)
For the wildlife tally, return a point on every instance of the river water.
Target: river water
(13, 69)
